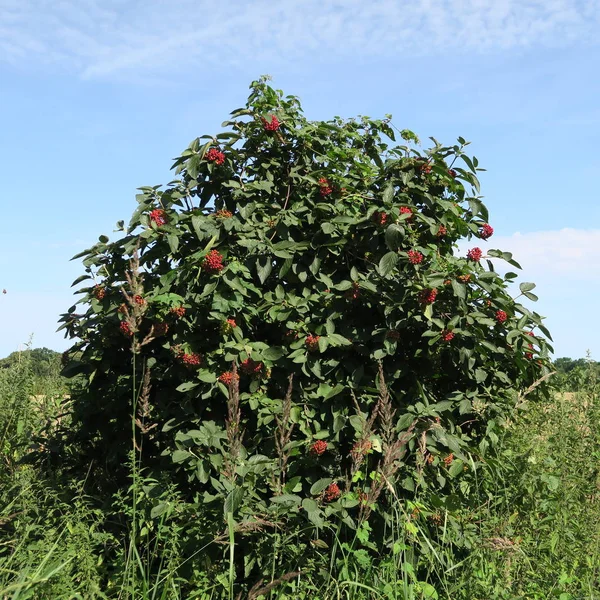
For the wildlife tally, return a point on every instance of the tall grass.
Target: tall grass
(534, 534)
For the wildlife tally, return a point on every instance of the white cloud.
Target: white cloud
(565, 254)
(109, 38)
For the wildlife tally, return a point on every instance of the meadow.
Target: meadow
(534, 532)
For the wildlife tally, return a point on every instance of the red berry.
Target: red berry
(415, 257)
(486, 232)
(228, 326)
(125, 328)
(427, 296)
(251, 367)
(326, 188)
(190, 359)
(442, 231)
(447, 336)
(332, 493)
(318, 448)
(425, 166)
(213, 262)
(99, 292)
(474, 254)
(404, 210)
(158, 216)
(528, 355)
(449, 460)
(216, 156)
(501, 316)
(178, 311)
(227, 378)
(161, 328)
(223, 214)
(393, 335)
(452, 173)
(139, 300)
(272, 125)
(354, 292)
(312, 342)
(380, 218)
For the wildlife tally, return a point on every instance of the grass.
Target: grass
(534, 534)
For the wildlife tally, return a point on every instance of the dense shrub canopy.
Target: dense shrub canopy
(304, 338)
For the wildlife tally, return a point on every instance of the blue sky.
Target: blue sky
(97, 98)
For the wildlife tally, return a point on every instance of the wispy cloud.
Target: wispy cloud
(109, 38)
(560, 255)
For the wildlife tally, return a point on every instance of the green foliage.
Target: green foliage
(300, 283)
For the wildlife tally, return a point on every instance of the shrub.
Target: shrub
(357, 323)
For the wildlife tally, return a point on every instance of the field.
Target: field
(535, 532)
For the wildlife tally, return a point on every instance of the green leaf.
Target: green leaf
(273, 353)
(320, 485)
(180, 456)
(158, 510)
(394, 235)
(173, 242)
(233, 500)
(526, 286)
(309, 505)
(388, 262)
(187, 386)
(459, 289)
(264, 265)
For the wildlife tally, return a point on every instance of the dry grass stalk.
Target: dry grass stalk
(283, 434)
(259, 590)
(393, 446)
(144, 408)
(232, 425)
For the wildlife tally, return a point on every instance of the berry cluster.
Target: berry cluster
(380, 218)
(427, 296)
(442, 231)
(99, 292)
(449, 460)
(251, 367)
(332, 492)
(312, 342)
(404, 210)
(501, 316)
(318, 448)
(228, 326)
(216, 156)
(125, 328)
(161, 328)
(325, 187)
(190, 359)
(228, 378)
(486, 231)
(272, 125)
(139, 300)
(475, 254)
(223, 214)
(159, 216)
(447, 336)
(178, 311)
(415, 257)
(464, 278)
(425, 166)
(213, 262)
(354, 292)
